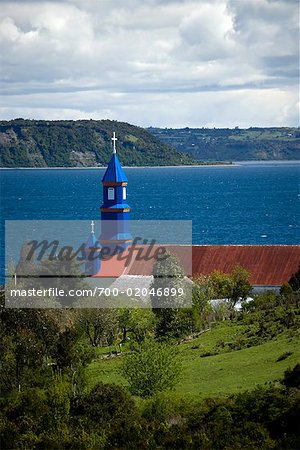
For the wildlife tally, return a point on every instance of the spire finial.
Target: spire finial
(114, 139)
(92, 226)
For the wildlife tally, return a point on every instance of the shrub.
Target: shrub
(107, 414)
(152, 368)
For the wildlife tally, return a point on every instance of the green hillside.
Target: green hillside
(81, 143)
(224, 144)
(228, 372)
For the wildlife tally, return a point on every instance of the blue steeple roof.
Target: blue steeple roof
(114, 172)
(92, 260)
(92, 241)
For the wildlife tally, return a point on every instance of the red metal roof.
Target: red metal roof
(269, 265)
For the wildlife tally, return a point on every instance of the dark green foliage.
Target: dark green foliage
(104, 404)
(36, 418)
(71, 350)
(254, 419)
(173, 324)
(226, 144)
(286, 290)
(294, 282)
(82, 143)
(265, 418)
(111, 412)
(28, 337)
(269, 315)
(292, 377)
(38, 343)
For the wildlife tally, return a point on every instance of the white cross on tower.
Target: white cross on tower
(114, 139)
(92, 225)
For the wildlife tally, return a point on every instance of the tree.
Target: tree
(241, 288)
(152, 368)
(139, 322)
(68, 276)
(203, 292)
(36, 341)
(28, 338)
(170, 290)
(222, 284)
(100, 325)
(234, 286)
(168, 278)
(286, 290)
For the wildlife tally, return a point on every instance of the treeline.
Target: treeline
(225, 144)
(107, 417)
(81, 143)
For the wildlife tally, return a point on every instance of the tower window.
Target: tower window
(111, 193)
(124, 193)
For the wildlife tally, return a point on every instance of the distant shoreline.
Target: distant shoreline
(233, 164)
(124, 167)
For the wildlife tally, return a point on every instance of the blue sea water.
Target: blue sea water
(251, 203)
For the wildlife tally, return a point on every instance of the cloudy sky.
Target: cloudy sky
(151, 62)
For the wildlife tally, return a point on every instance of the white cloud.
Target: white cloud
(152, 62)
(207, 32)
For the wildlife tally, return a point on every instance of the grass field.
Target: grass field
(222, 374)
(264, 134)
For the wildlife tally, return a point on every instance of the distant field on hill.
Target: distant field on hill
(222, 374)
(224, 144)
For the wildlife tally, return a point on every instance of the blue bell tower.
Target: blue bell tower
(115, 212)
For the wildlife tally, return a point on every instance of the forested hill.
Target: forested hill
(224, 144)
(81, 143)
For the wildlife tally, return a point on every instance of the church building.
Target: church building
(269, 266)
